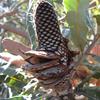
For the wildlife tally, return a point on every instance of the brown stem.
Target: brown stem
(10, 13)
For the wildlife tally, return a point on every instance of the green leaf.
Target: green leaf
(78, 29)
(93, 93)
(96, 74)
(93, 67)
(4, 65)
(16, 98)
(6, 69)
(2, 77)
(97, 58)
(83, 8)
(5, 91)
(97, 19)
(17, 82)
(19, 97)
(10, 71)
(70, 5)
(77, 18)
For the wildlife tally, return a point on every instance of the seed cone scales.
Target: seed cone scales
(53, 72)
(48, 32)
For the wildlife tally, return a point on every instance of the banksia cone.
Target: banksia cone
(52, 62)
(48, 32)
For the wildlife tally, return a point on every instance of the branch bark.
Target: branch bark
(10, 13)
(14, 30)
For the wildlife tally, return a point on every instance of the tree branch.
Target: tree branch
(10, 13)
(14, 30)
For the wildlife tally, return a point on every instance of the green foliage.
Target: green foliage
(91, 92)
(73, 14)
(77, 17)
(71, 5)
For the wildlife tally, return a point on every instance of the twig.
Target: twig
(62, 18)
(10, 13)
(14, 11)
(85, 52)
(14, 30)
(92, 44)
